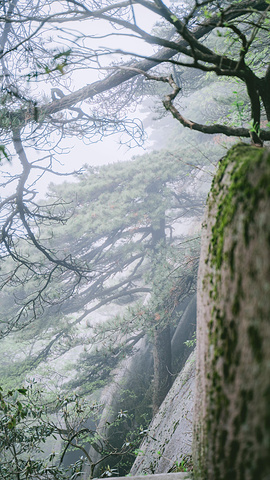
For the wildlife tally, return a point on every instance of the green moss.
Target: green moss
(233, 454)
(245, 398)
(236, 305)
(240, 192)
(222, 442)
(175, 425)
(255, 341)
(230, 197)
(241, 183)
(267, 416)
(231, 256)
(259, 434)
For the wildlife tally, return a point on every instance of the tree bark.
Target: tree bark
(264, 90)
(162, 338)
(122, 75)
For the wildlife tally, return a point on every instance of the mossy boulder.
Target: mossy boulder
(232, 406)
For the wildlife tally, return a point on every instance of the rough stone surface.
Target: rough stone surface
(232, 414)
(161, 476)
(169, 437)
(184, 331)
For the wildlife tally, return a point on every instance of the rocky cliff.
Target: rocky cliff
(232, 414)
(169, 437)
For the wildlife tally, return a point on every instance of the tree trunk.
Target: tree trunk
(232, 414)
(162, 340)
(264, 90)
(158, 233)
(162, 366)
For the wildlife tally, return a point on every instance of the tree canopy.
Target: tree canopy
(182, 42)
(61, 81)
(125, 222)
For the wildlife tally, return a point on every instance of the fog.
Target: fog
(114, 117)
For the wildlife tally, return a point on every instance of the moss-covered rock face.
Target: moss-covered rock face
(232, 408)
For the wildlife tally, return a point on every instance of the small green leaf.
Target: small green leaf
(23, 391)
(60, 68)
(174, 18)
(12, 423)
(62, 54)
(3, 151)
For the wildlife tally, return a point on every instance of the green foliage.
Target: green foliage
(23, 433)
(172, 278)
(124, 434)
(3, 152)
(115, 211)
(191, 343)
(119, 195)
(184, 465)
(118, 208)
(31, 427)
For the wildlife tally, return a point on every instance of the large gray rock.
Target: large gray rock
(232, 413)
(161, 476)
(169, 436)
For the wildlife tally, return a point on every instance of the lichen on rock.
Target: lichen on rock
(232, 427)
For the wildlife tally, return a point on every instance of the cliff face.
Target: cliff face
(169, 437)
(232, 413)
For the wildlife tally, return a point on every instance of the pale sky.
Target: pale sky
(108, 150)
